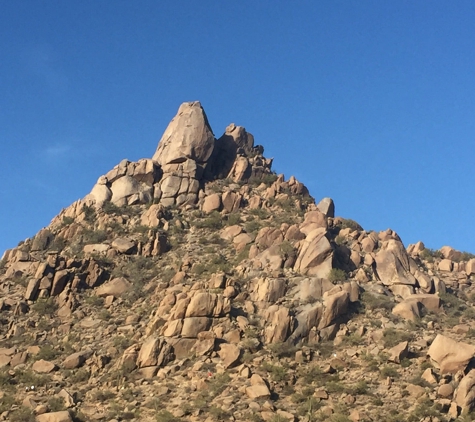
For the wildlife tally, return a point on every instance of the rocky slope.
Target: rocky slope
(200, 286)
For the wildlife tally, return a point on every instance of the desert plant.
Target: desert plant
(336, 275)
(45, 307)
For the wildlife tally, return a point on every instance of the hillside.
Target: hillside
(198, 285)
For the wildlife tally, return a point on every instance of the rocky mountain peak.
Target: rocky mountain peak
(198, 285)
(187, 156)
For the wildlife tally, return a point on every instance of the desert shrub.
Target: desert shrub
(47, 352)
(6, 402)
(260, 213)
(430, 254)
(372, 301)
(336, 275)
(89, 213)
(242, 255)
(56, 404)
(166, 416)
(77, 376)
(95, 301)
(252, 226)
(466, 256)
(389, 371)
(218, 413)
(391, 337)
(121, 342)
(111, 209)
(281, 350)
(233, 219)
(424, 409)
(103, 395)
(90, 236)
(28, 377)
(219, 263)
(267, 179)
(213, 220)
(23, 414)
(45, 307)
(278, 373)
(453, 306)
(360, 388)
(348, 223)
(286, 248)
(67, 221)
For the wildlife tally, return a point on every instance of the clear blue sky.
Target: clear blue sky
(368, 102)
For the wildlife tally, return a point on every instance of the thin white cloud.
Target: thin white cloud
(57, 150)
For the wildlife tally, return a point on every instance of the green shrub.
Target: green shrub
(348, 223)
(389, 371)
(281, 350)
(56, 404)
(47, 352)
(90, 236)
(374, 301)
(166, 416)
(214, 221)
(45, 307)
(67, 221)
(89, 213)
(391, 337)
(278, 373)
(336, 275)
(23, 414)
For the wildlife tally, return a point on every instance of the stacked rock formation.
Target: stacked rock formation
(187, 155)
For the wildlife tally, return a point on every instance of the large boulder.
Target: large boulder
(315, 254)
(449, 355)
(392, 264)
(465, 393)
(188, 136)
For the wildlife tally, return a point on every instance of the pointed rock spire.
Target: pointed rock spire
(187, 137)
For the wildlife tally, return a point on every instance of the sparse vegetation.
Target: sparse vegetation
(336, 275)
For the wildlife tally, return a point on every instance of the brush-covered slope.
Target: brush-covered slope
(198, 285)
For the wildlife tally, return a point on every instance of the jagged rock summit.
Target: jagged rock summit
(187, 155)
(199, 285)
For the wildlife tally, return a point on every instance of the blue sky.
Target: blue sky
(368, 102)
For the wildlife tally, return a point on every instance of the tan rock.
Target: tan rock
(188, 136)
(470, 267)
(327, 207)
(465, 393)
(446, 265)
(115, 287)
(445, 390)
(205, 304)
(75, 360)
(194, 325)
(278, 328)
(334, 306)
(123, 245)
(398, 352)
(32, 289)
(62, 416)
(268, 289)
(212, 203)
(43, 367)
(407, 310)
(258, 388)
(315, 254)
(449, 355)
(154, 352)
(392, 264)
(229, 354)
